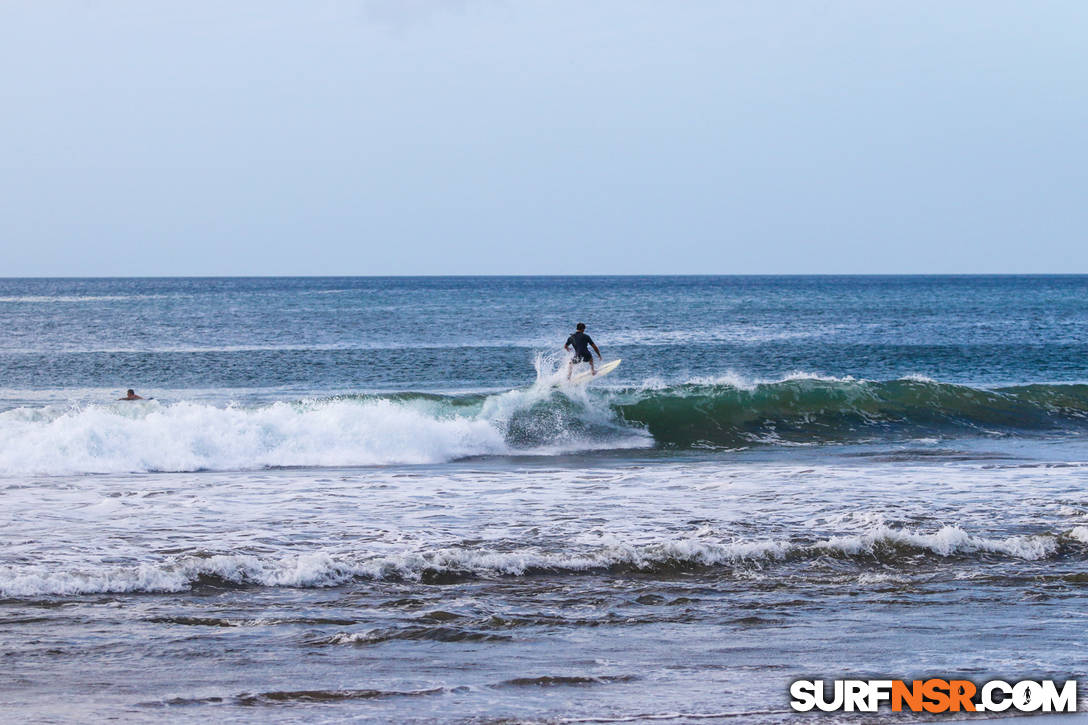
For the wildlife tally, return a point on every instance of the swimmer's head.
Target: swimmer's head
(580, 326)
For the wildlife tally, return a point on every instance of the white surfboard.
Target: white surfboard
(585, 377)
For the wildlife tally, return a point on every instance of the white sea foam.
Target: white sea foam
(729, 378)
(320, 569)
(743, 382)
(918, 378)
(325, 569)
(1080, 533)
(801, 376)
(193, 436)
(190, 436)
(307, 570)
(946, 541)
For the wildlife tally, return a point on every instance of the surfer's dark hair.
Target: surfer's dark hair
(580, 326)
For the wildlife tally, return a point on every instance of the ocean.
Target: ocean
(376, 499)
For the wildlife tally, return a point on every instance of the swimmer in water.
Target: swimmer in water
(131, 395)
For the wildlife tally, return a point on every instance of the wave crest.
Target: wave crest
(547, 418)
(888, 547)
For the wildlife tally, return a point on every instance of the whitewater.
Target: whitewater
(546, 418)
(378, 500)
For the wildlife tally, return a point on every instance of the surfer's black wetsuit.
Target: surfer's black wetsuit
(580, 341)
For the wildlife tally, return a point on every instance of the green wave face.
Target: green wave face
(788, 412)
(820, 411)
(357, 430)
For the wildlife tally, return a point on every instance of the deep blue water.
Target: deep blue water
(454, 333)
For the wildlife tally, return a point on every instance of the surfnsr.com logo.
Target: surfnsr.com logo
(935, 695)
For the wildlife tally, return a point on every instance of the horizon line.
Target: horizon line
(558, 275)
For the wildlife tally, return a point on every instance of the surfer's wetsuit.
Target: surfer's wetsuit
(580, 341)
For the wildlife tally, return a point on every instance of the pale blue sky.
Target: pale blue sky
(522, 137)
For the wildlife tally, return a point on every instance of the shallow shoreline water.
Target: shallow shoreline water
(495, 590)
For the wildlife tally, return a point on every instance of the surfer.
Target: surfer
(131, 395)
(581, 342)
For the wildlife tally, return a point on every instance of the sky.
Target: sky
(378, 137)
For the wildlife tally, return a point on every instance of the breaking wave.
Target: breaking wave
(543, 419)
(882, 546)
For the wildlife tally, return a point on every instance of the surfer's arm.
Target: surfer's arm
(596, 350)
